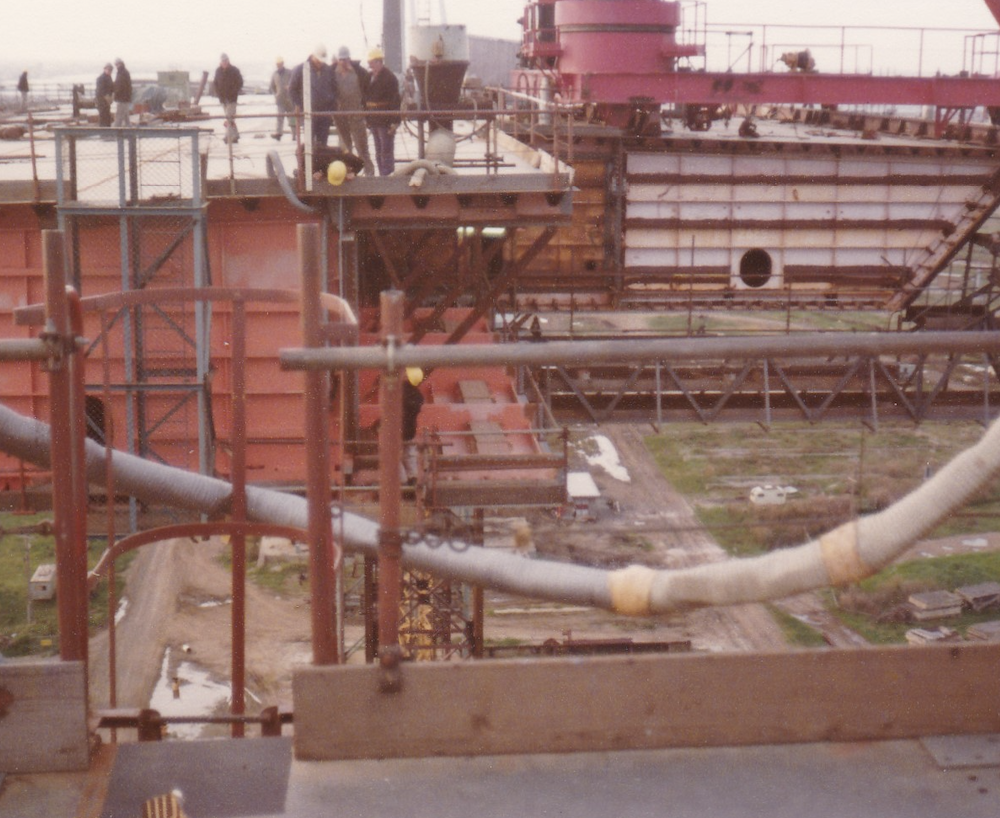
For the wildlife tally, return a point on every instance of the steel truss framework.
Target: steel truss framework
(155, 194)
(928, 386)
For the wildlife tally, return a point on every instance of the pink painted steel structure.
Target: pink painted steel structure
(624, 53)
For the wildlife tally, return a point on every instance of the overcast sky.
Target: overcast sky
(190, 34)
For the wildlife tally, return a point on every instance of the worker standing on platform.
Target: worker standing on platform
(228, 84)
(413, 402)
(322, 93)
(280, 80)
(122, 95)
(22, 87)
(383, 96)
(352, 84)
(104, 91)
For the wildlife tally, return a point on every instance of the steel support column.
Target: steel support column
(317, 399)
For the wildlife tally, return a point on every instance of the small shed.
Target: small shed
(583, 494)
(42, 585)
(767, 495)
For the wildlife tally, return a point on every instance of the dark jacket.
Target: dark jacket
(104, 87)
(22, 82)
(383, 95)
(123, 85)
(228, 83)
(323, 88)
(413, 402)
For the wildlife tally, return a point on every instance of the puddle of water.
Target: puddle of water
(199, 696)
(120, 612)
(607, 458)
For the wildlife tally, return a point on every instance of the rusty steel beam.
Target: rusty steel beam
(322, 564)
(65, 394)
(238, 512)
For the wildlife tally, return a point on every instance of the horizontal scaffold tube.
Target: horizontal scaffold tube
(589, 353)
(846, 554)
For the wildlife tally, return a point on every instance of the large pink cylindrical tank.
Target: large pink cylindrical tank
(617, 36)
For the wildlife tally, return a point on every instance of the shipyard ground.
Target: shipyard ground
(172, 583)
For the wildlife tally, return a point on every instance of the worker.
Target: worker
(104, 91)
(352, 85)
(122, 95)
(413, 402)
(383, 96)
(22, 87)
(322, 93)
(228, 84)
(279, 88)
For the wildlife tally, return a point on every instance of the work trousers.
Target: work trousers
(385, 139)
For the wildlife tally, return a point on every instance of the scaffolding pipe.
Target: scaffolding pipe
(590, 353)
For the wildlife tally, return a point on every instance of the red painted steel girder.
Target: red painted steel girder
(994, 7)
(798, 88)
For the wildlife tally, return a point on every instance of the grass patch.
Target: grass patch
(839, 471)
(797, 632)
(876, 607)
(20, 555)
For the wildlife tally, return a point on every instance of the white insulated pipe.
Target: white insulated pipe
(847, 554)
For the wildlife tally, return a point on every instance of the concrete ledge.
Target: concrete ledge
(646, 702)
(43, 717)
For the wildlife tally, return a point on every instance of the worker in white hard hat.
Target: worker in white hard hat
(382, 102)
(322, 93)
(352, 86)
(280, 80)
(413, 402)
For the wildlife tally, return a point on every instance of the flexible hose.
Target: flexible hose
(847, 554)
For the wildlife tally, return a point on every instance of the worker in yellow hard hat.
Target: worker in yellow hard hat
(413, 402)
(382, 102)
(336, 173)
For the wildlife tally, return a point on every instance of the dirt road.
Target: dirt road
(179, 591)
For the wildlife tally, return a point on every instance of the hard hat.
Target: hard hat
(319, 52)
(415, 375)
(279, 60)
(336, 173)
(376, 54)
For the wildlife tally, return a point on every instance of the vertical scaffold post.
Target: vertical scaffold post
(66, 399)
(390, 444)
(317, 398)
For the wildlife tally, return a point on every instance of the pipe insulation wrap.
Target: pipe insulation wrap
(846, 554)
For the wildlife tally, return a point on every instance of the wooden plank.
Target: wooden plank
(488, 437)
(474, 392)
(43, 717)
(647, 702)
(494, 493)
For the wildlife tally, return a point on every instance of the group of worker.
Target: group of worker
(341, 92)
(117, 90)
(369, 99)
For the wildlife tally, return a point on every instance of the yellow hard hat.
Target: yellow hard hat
(336, 173)
(376, 54)
(415, 375)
